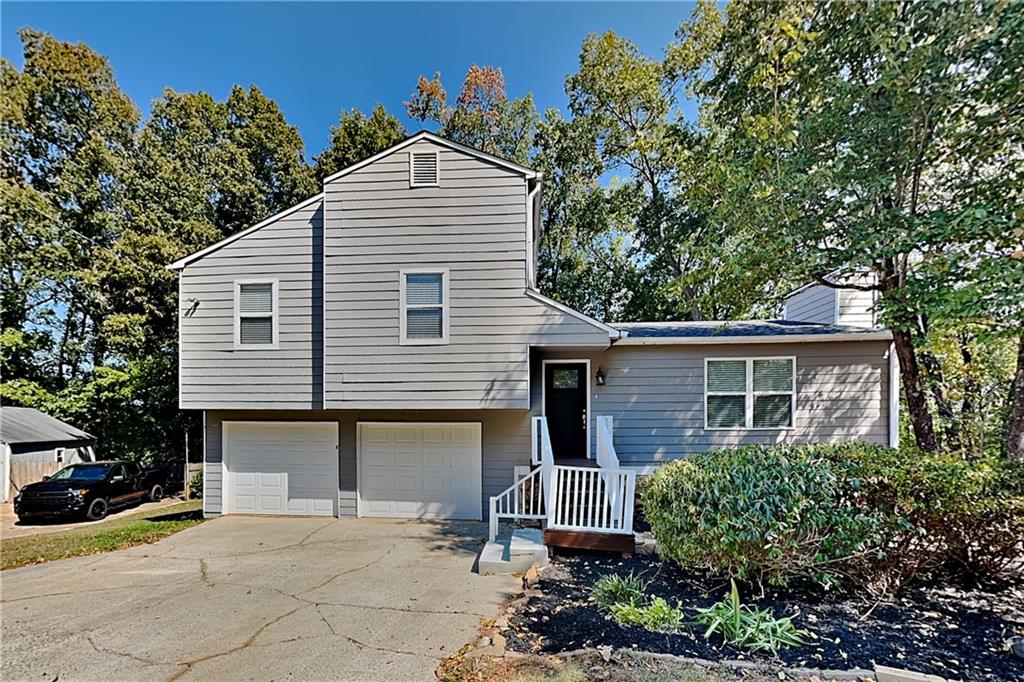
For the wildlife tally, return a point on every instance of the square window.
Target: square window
(566, 378)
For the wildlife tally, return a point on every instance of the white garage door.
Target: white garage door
(281, 468)
(420, 470)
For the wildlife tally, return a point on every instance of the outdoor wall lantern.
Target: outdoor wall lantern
(600, 377)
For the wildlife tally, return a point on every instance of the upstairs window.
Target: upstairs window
(256, 314)
(424, 307)
(424, 169)
(749, 393)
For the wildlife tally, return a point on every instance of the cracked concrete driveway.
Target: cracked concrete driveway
(241, 598)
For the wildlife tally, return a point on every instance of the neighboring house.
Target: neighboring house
(380, 350)
(35, 445)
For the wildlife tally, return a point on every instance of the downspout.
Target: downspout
(894, 397)
(532, 220)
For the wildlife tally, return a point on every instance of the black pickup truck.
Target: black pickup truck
(89, 490)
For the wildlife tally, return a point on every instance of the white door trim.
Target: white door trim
(224, 450)
(544, 392)
(359, 449)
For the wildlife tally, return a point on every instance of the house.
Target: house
(380, 349)
(34, 444)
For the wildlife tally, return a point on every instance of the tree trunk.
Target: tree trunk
(1015, 432)
(914, 392)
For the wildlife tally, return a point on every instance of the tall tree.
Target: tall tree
(483, 116)
(67, 136)
(357, 137)
(878, 136)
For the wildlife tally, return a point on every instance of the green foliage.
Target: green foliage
(852, 513)
(767, 513)
(747, 627)
(195, 486)
(357, 137)
(615, 589)
(657, 615)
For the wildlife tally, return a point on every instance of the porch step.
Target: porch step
(513, 554)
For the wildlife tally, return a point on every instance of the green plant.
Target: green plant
(767, 513)
(195, 485)
(657, 615)
(613, 589)
(743, 626)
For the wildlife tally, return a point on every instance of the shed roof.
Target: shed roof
(29, 425)
(739, 331)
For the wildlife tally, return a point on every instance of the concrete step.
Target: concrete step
(513, 554)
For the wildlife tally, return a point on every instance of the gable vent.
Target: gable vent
(423, 168)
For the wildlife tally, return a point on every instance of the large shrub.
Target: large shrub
(768, 513)
(940, 513)
(873, 516)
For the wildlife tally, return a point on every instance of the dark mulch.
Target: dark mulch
(956, 631)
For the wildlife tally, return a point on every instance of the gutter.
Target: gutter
(626, 340)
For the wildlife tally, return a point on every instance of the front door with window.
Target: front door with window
(565, 406)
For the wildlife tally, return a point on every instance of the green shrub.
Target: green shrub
(767, 513)
(754, 629)
(940, 513)
(657, 615)
(195, 486)
(614, 589)
(863, 514)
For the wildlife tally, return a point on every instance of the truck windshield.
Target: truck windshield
(82, 472)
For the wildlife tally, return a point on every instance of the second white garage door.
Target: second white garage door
(281, 468)
(420, 470)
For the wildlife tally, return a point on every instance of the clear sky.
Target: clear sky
(317, 58)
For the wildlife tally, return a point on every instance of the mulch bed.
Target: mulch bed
(956, 631)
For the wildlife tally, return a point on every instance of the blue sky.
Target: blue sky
(316, 58)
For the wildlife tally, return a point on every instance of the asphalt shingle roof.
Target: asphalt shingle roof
(28, 425)
(719, 328)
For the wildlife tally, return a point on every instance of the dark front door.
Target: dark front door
(565, 406)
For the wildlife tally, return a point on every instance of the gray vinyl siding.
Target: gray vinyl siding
(816, 303)
(213, 372)
(856, 308)
(505, 443)
(474, 225)
(655, 395)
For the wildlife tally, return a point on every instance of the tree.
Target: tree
(880, 137)
(691, 264)
(67, 136)
(483, 116)
(357, 137)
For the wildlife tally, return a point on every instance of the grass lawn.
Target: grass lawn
(127, 531)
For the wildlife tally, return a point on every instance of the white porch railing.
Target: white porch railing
(598, 500)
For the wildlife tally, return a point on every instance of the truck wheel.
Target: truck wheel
(97, 510)
(156, 493)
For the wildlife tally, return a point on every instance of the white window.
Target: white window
(58, 454)
(749, 393)
(424, 307)
(256, 314)
(424, 169)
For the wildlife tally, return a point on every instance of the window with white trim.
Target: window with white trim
(256, 314)
(749, 393)
(424, 313)
(424, 169)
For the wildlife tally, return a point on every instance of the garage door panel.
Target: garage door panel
(282, 468)
(420, 470)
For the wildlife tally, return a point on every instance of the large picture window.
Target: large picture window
(256, 314)
(424, 308)
(749, 393)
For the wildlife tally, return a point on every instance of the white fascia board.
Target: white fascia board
(881, 335)
(612, 332)
(181, 263)
(426, 135)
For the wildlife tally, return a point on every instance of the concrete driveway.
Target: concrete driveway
(242, 598)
